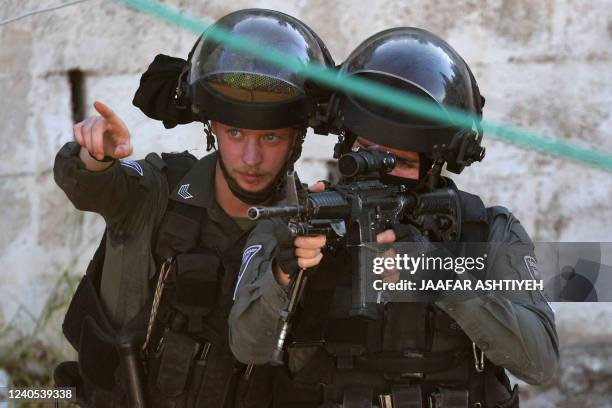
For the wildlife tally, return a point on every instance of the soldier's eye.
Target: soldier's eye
(270, 137)
(406, 163)
(234, 133)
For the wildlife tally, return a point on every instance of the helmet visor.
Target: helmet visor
(248, 87)
(241, 88)
(246, 76)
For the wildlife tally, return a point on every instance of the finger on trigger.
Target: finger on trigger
(310, 242)
(318, 186)
(386, 237)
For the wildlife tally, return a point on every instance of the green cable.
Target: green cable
(374, 91)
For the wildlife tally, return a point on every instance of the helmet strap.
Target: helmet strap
(346, 139)
(432, 178)
(210, 138)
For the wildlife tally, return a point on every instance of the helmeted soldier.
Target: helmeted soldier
(451, 351)
(159, 289)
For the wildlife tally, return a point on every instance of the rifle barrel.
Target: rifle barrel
(256, 213)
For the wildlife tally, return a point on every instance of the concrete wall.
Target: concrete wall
(544, 65)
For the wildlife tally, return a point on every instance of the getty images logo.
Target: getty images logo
(182, 191)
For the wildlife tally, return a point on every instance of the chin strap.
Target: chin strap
(250, 197)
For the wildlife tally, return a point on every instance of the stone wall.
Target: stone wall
(544, 65)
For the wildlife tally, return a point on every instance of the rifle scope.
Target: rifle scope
(366, 162)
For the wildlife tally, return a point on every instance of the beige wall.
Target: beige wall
(544, 65)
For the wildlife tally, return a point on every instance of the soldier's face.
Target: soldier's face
(407, 164)
(253, 157)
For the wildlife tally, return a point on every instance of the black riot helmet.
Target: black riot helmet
(422, 64)
(242, 89)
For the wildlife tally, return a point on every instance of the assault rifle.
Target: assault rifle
(354, 211)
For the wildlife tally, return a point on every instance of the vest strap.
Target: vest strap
(411, 362)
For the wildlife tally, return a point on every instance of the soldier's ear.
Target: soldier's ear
(213, 126)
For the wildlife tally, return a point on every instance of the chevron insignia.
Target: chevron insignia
(182, 191)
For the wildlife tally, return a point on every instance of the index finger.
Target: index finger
(107, 113)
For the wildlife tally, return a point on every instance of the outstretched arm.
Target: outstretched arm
(119, 190)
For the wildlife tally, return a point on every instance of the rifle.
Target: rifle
(354, 211)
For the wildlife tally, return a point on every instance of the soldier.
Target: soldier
(448, 352)
(160, 286)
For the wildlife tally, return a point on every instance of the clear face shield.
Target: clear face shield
(243, 89)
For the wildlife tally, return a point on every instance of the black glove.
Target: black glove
(408, 233)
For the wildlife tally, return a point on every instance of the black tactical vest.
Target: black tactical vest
(187, 362)
(413, 354)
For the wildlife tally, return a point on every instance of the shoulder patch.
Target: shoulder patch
(532, 266)
(132, 165)
(247, 255)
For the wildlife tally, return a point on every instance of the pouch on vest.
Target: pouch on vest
(89, 331)
(449, 398)
(358, 397)
(197, 277)
(179, 352)
(178, 233)
(85, 300)
(255, 387)
(94, 344)
(406, 396)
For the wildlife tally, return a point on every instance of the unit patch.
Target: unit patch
(131, 164)
(532, 267)
(247, 255)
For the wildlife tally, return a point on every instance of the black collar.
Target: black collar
(197, 187)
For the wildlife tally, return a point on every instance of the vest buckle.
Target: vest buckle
(449, 398)
(402, 396)
(385, 401)
(478, 358)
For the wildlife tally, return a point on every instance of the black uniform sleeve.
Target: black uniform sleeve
(124, 194)
(514, 329)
